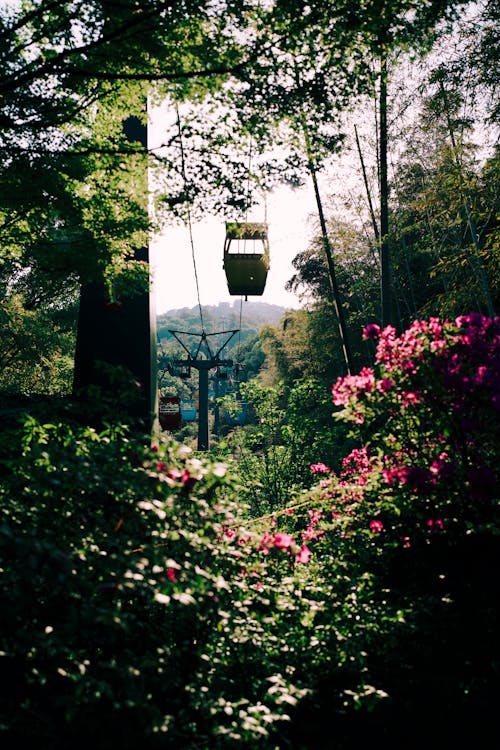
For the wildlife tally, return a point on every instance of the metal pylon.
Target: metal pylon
(203, 359)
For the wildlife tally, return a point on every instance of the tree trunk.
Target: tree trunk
(385, 263)
(120, 335)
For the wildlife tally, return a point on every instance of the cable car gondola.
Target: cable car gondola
(169, 412)
(188, 410)
(246, 272)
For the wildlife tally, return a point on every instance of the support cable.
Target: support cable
(246, 220)
(188, 216)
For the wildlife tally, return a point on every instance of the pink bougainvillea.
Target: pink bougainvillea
(320, 468)
(303, 555)
(282, 541)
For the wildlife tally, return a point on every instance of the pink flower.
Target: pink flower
(357, 464)
(352, 386)
(320, 468)
(312, 533)
(187, 480)
(282, 541)
(435, 327)
(395, 474)
(411, 397)
(479, 377)
(304, 554)
(474, 319)
(173, 473)
(386, 345)
(171, 575)
(376, 526)
(384, 385)
(371, 331)
(435, 524)
(441, 466)
(265, 542)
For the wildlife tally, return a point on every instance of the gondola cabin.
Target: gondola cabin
(188, 410)
(246, 258)
(169, 412)
(222, 373)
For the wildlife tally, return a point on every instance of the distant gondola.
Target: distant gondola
(169, 412)
(188, 410)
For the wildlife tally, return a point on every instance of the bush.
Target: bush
(143, 603)
(123, 601)
(413, 517)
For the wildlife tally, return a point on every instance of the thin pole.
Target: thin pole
(203, 405)
(337, 302)
(367, 188)
(329, 256)
(336, 299)
(385, 265)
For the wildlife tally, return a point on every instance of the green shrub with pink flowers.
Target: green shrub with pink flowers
(143, 604)
(413, 517)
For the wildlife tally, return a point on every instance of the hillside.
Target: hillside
(221, 317)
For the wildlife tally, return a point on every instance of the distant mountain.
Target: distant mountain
(249, 317)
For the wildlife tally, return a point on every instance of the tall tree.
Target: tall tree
(72, 74)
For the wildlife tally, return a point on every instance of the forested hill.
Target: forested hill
(224, 316)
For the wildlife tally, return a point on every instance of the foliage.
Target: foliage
(445, 233)
(115, 585)
(416, 507)
(142, 603)
(286, 430)
(36, 346)
(149, 598)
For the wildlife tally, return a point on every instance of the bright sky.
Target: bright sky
(175, 284)
(288, 213)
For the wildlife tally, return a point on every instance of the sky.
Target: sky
(290, 228)
(287, 212)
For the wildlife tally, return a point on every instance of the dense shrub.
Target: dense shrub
(123, 602)
(413, 519)
(143, 603)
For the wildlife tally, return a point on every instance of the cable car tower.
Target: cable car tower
(203, 359)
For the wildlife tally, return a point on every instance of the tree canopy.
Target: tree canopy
(73, 72)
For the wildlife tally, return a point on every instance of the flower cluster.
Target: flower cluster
(428, 409)
(266, 541)
(350, 388)
(173, 475)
